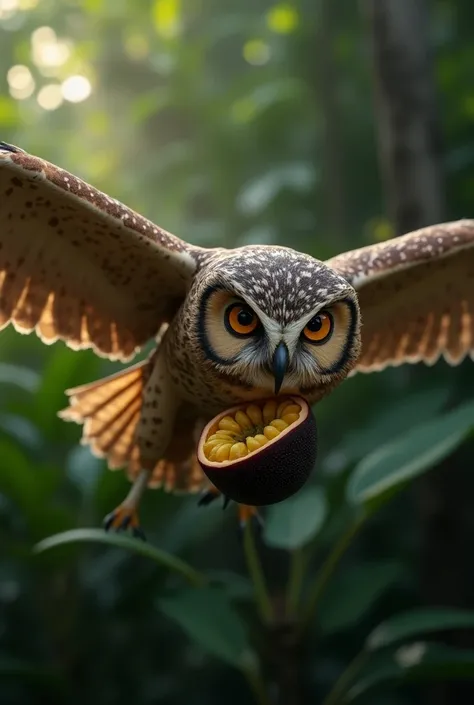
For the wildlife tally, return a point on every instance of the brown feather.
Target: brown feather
(79, 266)
(178, 471)
(110, 410)
(416, 295)
(184, 476)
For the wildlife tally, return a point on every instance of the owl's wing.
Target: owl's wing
(416, 294)
(79, 266)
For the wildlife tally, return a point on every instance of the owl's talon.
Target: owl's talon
(125, 522)
(138, 532)
(123, 518)
(208, 496)
(108, 521)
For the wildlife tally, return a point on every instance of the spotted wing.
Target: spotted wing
(416, 294)
(79, 266)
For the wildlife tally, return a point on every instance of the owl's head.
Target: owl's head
(275, 319)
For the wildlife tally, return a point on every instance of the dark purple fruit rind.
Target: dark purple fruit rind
(272, 474)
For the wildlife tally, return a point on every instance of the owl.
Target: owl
(228, 325)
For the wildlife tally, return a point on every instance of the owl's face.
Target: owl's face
(277, 320)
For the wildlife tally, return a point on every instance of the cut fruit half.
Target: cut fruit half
(262, 452)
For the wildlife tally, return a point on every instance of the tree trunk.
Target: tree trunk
(410, 164)
(408, 130)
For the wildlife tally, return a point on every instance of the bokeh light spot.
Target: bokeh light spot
(19, 76)
(20, 81)
(167, 18)
(43, 34)
(47, 49)
(76, 89)
(8, 8)
(256, 52)
(283, 18)
(50, 96)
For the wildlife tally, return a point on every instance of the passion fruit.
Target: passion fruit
(262, 452)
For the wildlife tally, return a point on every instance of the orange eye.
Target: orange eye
(240, 320)
(319, 328)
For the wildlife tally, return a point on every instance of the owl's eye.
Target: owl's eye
(240, 320)
(319, 328)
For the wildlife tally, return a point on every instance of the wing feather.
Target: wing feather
(79, 266)
(416, 294)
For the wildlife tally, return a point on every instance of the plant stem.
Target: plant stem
(328, 568)
(295, 582)
(340, 687)
(254, 566)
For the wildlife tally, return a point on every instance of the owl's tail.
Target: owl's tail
(110, 409)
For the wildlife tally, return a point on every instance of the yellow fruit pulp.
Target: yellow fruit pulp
(248, 430)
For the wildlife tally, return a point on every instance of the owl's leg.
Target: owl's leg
(146, 465)
(248, 513)
(245, 512)
(125, 516)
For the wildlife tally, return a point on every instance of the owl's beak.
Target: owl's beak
(281, 360)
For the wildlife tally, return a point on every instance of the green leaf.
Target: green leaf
(22, 431)
(18, 478)
(208, 616)
(389, 467)
(188, 525)
(416, 662)
(236, 586)
(128, 543)
(31, 486)
(83, 469)
(341, 608)
(392, 421)
(64, 369)
(408, 624)
(297, 520)
(22, 377)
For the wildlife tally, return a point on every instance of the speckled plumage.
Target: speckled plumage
(79, 266)
(416, 294)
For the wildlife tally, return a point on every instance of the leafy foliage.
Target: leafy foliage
(207, 615)
(391, 466)
(294, 523)
(212, 120)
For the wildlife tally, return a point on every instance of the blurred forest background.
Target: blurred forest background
(319, 124)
